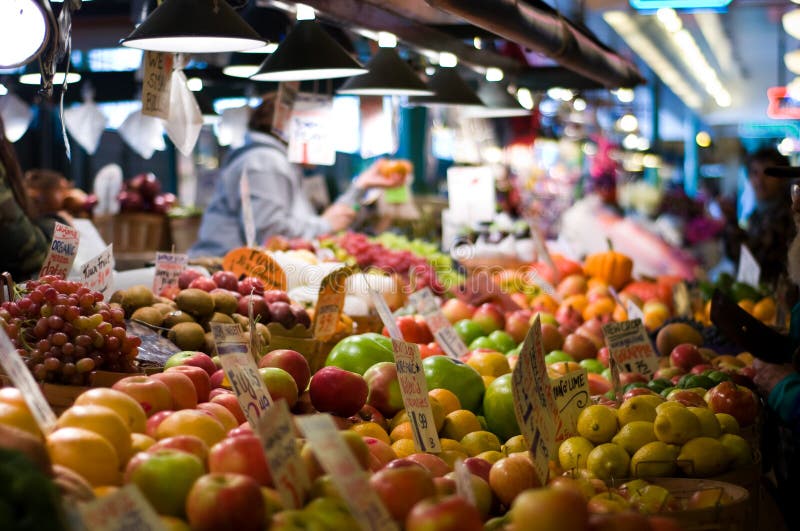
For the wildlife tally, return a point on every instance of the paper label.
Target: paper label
(98, 273)
(338, 461)
(247, 211)
(63, 250)
(571, 393)
(534, 405)
(464, 482)
(169, 267)
(446, 336)
(330, 301)
(234, 353)
(311, 131)
(22, 379)
(284, 103)
(749, 271)
(414, 389)
(255, 263)
(385, 314)
(285, 465)
(124, 509)
(633, 310)
(629, 344)
(157, 84)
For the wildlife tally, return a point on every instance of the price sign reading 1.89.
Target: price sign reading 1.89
(233, 348)
(414, 389)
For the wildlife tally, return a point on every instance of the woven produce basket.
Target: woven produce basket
(136, 237)
(183, 231)
(734, 516)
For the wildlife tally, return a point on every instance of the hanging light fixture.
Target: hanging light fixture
(35, 78)
(194, 26)
(242, 65)
(388, 75)
(792, 61)
(498, 103)
(23, 32)
(449, 89)
(791, 23)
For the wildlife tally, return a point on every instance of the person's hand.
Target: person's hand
(728, 207)
(384, 173)
(769, 374)
(339, 216)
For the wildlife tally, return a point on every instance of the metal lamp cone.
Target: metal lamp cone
(194, 26)
(498, 103)
(242, 65)
(388, 75)
(307, 53)
(449, 89)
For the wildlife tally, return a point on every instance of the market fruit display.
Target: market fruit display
(143, 194)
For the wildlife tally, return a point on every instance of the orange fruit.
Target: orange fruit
(13, 397)
(544, 303)
(192, 422)
(487, 380)
(400, 417)
(19, 417)
(459, 423)
(578, 302)
(747, 305)
(126, 407)
(764, 310)
(103, 421)
(371, 429)
(404, 447)
(438, 413)
(87, 453)
(446, 398)
(598, 307)
(402, 431)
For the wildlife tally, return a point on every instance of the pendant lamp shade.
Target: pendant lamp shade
(242, 65)
(308, 53)
(791, 23)
(498, 103)
(792, 61)
(449, 89)
(194, 26)
(23, 32)
(388, 75)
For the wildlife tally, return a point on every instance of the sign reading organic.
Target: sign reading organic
(63, 250)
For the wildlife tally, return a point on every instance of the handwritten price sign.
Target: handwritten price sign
(98, 273)
(255, 263)
(285, 465)
(571, 393)
(440, 327)
(414, 389)
(534, 405)
(63, 250)
(169, 267)
(629, 344)
(124, 509)
(330, 302)
(339, 462)
(157, 84)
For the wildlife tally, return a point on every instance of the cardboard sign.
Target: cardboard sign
(330, 301)
(446, 336)
(749, 271)
(247, 211)
(22, 379)
(255, 263)
(534, 405)
(169, 267)
(464, 482)
(98, 273)
(339, 462)
(233, 349)
(571, 393)
(63, 250)
(285, 465)
(311, 131)
(284, 103)
(629, 344)
(124, 509)
(414, 389)
(156, 84)
(385, 314)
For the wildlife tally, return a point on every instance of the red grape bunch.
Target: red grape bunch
(64, 331)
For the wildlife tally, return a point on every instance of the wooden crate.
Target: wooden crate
(136, 237)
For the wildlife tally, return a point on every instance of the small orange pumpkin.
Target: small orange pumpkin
(613, 267)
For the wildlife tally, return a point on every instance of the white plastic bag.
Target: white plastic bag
(232, 127)
(17, 116)
(107, 185)
(185, 118)
(144, 134)
(85, 123)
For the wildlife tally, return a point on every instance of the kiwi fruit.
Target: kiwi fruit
(196, 302)
(224, 303)
(148, 315)
(164, 308)
(210, 347)
(136, 297)
(177, 316)
(187, 336)
(241, 320)
(217, 317)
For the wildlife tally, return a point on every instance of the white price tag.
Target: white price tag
(633, 310)
(98, 273)
(414, 389)
(440, 327)
(124, 509)
(630, 346)
(534, 405)
(21, 377)
(247, 211)
(285, 465)
(339, 462)
(233, 348)
(749, 271)
(464, 482)
(169, 267)
(63, 250)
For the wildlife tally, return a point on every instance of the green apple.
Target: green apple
(468, 330)
(503, 340)
(165, 477)
(447, 373)
(557, 356)
(592, 365)
(483, 342)
(498, 408)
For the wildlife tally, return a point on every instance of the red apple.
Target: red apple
(551, 338)
(598, 385)
(226, 501)
(260, 307)
(637, 391)
(369, 414)
(217, 378)
(668, 373)
(626, 378)
(199, 378)
(452, 513)
(251, 285)
(221, 413)
(384, 388)
(479, 467)
(165, 478)
(225, 280)
(592, 329)
(425, 332)
(400, 488)
(489, 317)
(569, 318)
(152, 395)
(518, 323)
(603, 356)
(455, 310)
(276, 295)
(203, 283)
(700, 369)
(736, 400)
(219, 391)
(194, 358)
(337, 391)
(579, 347)
(290, 361)
(187, 276)
(435, 464)
(184, 395)
(687, 398)
(240, 455)
(382, 452)
(280, 384)
(183, 443)
(445, 486)
(230, 401)
(243, 429)
(685, 356)
(151, 427)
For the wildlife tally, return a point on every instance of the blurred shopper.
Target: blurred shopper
(280, 208)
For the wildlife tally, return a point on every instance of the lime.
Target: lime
(592, 365)
(483, 342)
(556, 356)
(514, 351)
(666, 391)
(658, 384)
(468, 331)
(634, 385)
(503, 341)
(606, 374)
(718, 377)
(698, 380)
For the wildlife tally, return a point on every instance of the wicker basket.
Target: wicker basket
(734, 516)
(183, 231)
(136, 237)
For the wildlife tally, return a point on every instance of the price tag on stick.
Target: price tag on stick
(571, 393)
(350, 479)
(169, 267)
(63, 250)
(98, 273)
(124, 509)
(330, 301)
(414, 389)
(385, 314)
(440, 327)
(285, 464)
(630, 346)
(255, 263)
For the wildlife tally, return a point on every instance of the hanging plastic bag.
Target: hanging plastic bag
(144, 134)
(17, 116)
(185, 119)
(85, 123)
(231, 128)
(107, 186)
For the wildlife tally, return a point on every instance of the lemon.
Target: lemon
(654, 459)
(478, 442)
(703, 457)
(458, 423)
(738, 450)
(651, 499)
(676, 425)
(666, 405)
(608, 461)
(635, 409)
(598, 423)
(515, 444)
(573, 453)
(709, 425)
(491, 456)
(728, 423)
(452, 444)
(634, 435)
